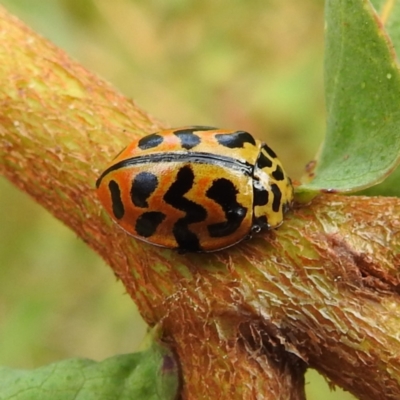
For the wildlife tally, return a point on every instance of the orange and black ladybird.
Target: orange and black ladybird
(195, 189)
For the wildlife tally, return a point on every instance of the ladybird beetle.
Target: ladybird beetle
(195, 189)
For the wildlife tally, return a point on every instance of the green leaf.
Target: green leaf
(389, 187)
(389, 13)
(362, 83)
(151, 374)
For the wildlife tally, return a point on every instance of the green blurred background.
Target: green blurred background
(253, 65)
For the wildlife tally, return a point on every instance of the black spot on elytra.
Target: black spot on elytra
(117, 205)
(263, 161)
(143, 185)
(276, 203)
(260, 194)
(235, 140)
(188, 138)
(185, 238)
(278, 173)
(224, 193)
(150, 141)
(147, 223)
(269, 151)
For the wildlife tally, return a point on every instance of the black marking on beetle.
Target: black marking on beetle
(147, 223)
(224, 192)
(182, 157)
(143, 185)
(98, 181)
(150, 141)
(185, 238)
(263, 161)
(276, 203)
(278, 174)
(269, 151)
(117, 204)
(188, 138)
(235, 140)
(260, 194)
(259, 223)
